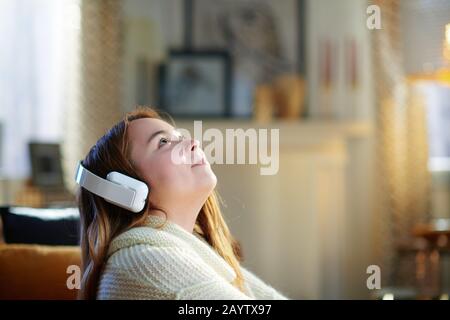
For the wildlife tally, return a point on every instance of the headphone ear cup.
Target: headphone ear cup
(138, 186)
(123, 180)
(118, 189)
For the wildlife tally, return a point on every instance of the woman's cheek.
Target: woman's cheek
(166, 171)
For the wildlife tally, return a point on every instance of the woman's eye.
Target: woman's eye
(163, 141)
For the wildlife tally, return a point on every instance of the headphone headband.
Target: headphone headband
(117, 188)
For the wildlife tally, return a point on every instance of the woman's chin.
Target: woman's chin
(207, 179)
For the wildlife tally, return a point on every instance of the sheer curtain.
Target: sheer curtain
(94, 104)
(403, 179)
(35, 69)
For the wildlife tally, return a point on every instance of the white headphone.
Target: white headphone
(117, 188)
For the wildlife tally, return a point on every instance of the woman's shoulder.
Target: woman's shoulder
(140, 255)
(145, 271)
(168, 268)
(150, 251)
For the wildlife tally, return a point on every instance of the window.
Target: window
(438, 112)
(35, 52)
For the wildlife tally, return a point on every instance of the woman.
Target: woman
(178, 246)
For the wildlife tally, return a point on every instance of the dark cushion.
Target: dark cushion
(40, 226)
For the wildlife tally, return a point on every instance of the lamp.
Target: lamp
(446, 45)
(441, 75)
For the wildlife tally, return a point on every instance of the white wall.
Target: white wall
(151, 27)
(305, 230)
(339, 22)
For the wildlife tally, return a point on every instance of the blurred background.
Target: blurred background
(363, 114)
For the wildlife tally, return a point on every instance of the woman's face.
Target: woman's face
(174, 168)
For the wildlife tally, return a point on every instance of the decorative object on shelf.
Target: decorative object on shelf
(284, 98)
(265, 39)
(289, 96)
(264, 104)
(46, 186)
(327, 78)
(196, 84)
(46, 165)
(352, 92)
(351, 59)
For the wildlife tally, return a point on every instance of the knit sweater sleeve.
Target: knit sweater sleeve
(260, 289)
(171, 272)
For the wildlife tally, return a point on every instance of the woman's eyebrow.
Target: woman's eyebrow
(155, 134)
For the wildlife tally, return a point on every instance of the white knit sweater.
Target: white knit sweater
(171, 263)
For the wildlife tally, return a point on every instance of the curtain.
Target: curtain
(33, 75)
(402, 153)
(95, 103)
(59, 78)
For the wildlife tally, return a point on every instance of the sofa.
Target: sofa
(37, 247)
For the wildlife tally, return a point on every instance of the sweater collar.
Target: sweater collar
(158, 231)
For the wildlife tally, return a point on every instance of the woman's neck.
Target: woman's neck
(184, 216)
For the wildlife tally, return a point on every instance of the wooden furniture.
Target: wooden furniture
(31, 271)
(32, 196)
(436, 243)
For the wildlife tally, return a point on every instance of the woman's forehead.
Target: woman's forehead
(140, 129)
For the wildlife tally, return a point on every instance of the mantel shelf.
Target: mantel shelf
(292, 133)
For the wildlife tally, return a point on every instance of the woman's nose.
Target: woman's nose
(194, 144)
(189, 145)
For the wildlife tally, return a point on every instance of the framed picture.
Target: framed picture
(265, 38)
(196, 84)
(46, 165)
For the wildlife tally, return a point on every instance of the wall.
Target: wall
(305, 230)
(341, 21)
(150, 28)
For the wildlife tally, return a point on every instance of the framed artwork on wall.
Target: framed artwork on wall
(196, 83)
(265, 39)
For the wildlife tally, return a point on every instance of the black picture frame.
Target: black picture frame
(46, 166)
(195, 84)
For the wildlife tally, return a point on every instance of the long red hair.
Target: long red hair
(102, 221)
